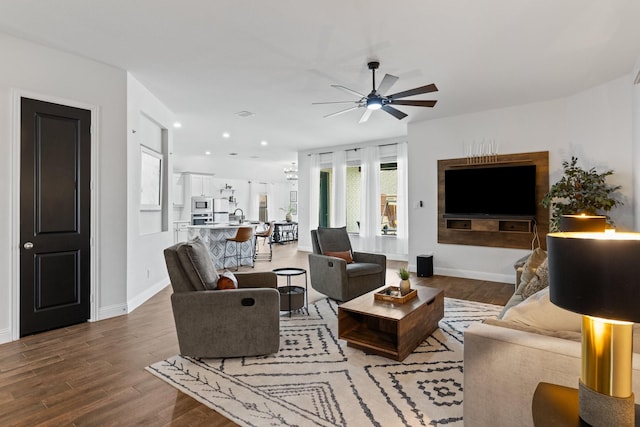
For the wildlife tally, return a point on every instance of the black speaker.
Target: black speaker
(425, 265)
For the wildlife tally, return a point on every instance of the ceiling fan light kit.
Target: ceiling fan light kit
(375, 100)
(374, 104)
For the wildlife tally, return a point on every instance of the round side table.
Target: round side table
(289, 272)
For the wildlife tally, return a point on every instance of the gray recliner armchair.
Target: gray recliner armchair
(222, 322)
(334, 276)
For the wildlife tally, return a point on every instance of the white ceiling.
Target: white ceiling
(207, 60)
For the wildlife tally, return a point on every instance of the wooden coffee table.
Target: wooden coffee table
(389, 329)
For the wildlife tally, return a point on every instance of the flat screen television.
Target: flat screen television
(490, 192)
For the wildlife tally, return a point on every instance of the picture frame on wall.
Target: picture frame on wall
(293, 197)
(294, 209)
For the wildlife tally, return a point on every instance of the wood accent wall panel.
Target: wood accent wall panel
(502, 233)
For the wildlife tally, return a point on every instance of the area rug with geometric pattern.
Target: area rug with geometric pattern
(317, 380)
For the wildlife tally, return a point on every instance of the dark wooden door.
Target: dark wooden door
(55, 226)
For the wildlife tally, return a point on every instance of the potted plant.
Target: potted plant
(288, 211)
(580, 191)
(405, 284)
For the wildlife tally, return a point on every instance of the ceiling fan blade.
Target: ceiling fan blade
(351, 91)
(417, 91)
(341, 112)
(413, 103)
(365, 115)
(387, 81)
(395, 113)
(334, 102)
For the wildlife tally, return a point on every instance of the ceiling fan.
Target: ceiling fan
(375, 100)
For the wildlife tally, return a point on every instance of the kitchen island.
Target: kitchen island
(214, 237)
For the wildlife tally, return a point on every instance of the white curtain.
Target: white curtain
(402, 205)
(370, 203)
(339, 190)
(314, 192)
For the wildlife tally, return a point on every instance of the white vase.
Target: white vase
(405, 287)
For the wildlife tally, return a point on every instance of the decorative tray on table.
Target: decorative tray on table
(392, 294)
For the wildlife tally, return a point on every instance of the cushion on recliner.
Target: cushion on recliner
(362, 269)
(198, 265)
(333, 239)
(345, 255)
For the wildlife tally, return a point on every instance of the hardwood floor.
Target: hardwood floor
(93, 374)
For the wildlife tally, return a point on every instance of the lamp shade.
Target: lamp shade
(597, 274)
(583, 223)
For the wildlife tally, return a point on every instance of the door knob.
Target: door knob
(28, 245)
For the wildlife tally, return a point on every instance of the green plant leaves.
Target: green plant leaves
(580, 191)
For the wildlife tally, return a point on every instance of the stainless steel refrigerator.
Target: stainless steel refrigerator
(221, 210)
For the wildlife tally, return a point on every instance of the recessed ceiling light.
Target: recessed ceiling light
(233, 154)
(207, 152)
(245, 113)
(226, 134)
(177, 125)
(263, 143)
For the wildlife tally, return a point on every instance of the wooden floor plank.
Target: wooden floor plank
(93, 373)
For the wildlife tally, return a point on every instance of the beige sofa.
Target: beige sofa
(504, 362)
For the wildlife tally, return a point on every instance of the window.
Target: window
(388, 219)
(388, 198)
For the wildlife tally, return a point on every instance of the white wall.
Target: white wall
(146, 269)
(28, 67)
(594, 125)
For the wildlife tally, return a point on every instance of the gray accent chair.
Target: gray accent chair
(221, 323)
(333, 276)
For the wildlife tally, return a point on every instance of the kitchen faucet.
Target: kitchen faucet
(241, 220)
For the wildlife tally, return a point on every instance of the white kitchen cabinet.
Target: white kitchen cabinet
(180, 231)
(207, 185)
(201, 185)
(178, 190)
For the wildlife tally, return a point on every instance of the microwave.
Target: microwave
(201, 204)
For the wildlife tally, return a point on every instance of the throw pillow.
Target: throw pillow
(345, 255)
(197, 263)
(529, 269)
(538, 311)
(227, 280)
(540, 280)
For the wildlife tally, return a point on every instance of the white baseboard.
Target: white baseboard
(5, 336)
(111, 311)
(477, 275)
(142, 297)
(396, 257)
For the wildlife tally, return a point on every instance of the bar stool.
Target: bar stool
(244, 234)
(266, 234)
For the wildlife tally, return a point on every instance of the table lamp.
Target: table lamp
(598, 276)
(583, 223)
